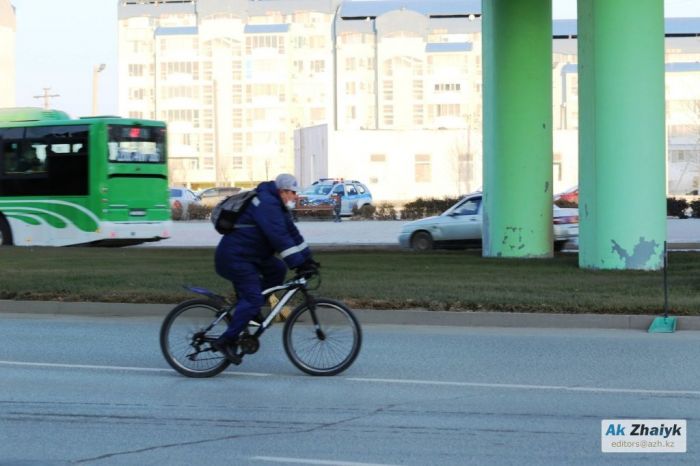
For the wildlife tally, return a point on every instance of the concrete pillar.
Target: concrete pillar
(517, 80)
(622, 195)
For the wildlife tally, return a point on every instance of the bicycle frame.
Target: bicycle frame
(292, 286)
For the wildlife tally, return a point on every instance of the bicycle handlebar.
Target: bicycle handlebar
(303, 277)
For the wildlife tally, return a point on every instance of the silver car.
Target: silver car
(460, 226)
(181, 199)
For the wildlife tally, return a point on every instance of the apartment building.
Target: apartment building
(235, 79)
(682, 105)
(7, 54)
(408, 108)
(232, 78)
(385, 91)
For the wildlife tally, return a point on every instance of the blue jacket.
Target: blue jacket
(264, 228)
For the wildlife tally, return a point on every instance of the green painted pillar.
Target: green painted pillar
(622, 199)
(517, 84)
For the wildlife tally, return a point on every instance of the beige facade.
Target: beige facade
(233, 79)
(682, 109)
(392, 93)
(7, 54)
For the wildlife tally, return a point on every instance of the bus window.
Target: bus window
(24, 158)
(41, 163)
(136, 144)
(10, 151)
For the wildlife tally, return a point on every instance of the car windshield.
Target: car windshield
(321, 188)
(175, 192)
(468, 206)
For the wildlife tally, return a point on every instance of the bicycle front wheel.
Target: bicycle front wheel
(322, 341)
(186, 336)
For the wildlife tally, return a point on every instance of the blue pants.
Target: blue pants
(249, 279)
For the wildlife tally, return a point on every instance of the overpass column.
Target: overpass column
(621, 134)
(517, 85)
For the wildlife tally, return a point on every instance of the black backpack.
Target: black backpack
(225, 214)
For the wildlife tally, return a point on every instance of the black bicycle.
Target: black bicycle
(321, 336)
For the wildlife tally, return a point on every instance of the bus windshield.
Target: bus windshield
(136, 144)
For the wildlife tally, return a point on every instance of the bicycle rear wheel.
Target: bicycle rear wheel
(185, 338)
(324, 341)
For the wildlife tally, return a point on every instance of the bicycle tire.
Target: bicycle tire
(177, 338)
(327, 353)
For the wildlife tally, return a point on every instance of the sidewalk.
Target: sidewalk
(682, 234)
(370, 317)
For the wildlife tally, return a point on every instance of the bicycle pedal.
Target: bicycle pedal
(232, 356)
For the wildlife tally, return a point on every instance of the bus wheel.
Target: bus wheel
(5, 232)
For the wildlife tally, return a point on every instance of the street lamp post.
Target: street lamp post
(95, 84)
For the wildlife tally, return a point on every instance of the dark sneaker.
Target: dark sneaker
(227, 346)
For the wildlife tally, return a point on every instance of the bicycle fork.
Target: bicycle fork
(311, 303)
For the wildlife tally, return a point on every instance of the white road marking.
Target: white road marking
(564, 388)
(528, 387)
(281, 459)
(111, 368)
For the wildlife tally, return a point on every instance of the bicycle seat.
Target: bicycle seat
(207, 293)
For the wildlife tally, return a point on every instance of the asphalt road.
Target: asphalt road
(80, 390)
(353, 233)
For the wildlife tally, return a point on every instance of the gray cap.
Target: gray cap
(287, 181)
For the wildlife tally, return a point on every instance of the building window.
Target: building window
(238, 144)
(388, 90)
(418, 89)
(135, 70)
(448, 110)
(388, 114)
(318, 66)
(350, 112)
(318, 114)
(447, 87)
(379, 158)
(417, 114)
(350, 64)
(423, 169)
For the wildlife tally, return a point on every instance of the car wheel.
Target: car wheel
(559, 245)
(5, 232)
(422, 241)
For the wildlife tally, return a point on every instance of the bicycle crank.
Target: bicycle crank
(248, 344)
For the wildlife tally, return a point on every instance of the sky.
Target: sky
(60, 42)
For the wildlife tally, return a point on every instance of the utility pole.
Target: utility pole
(96, 70)
(47, 97)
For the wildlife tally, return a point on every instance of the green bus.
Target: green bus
(86, 181)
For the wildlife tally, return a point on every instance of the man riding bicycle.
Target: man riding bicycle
(246, 256)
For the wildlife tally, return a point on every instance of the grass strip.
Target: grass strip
(445, 280)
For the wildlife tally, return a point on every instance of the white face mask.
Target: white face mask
(290, 205)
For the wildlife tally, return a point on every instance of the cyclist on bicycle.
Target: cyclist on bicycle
(246, 256)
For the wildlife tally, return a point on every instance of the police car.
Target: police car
(322, 194)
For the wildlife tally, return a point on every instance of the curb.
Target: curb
(368, 316)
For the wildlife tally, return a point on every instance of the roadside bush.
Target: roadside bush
(313, 214)
(176, 213)
(695, 205)
(563, 203)
(676, 207)
(198, 212)
(366, 212)
(421, 208)
(386, 211)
